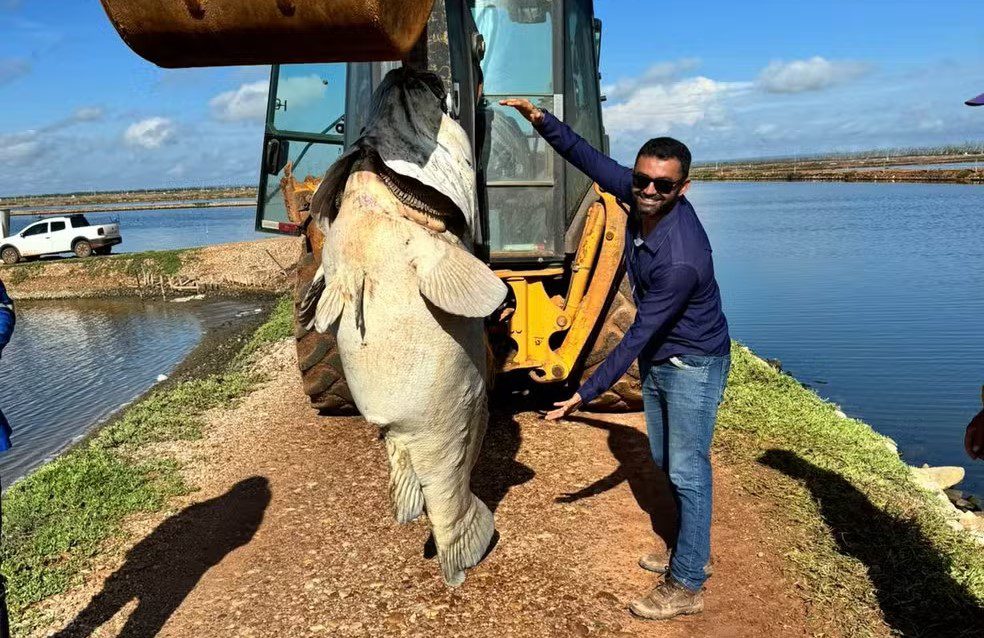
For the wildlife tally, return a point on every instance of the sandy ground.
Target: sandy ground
(290, 534)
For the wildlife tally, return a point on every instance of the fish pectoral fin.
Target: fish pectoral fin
(342, 286)
(454, 280)
(309, 305)
(406, 494)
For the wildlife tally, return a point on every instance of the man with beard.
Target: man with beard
(7, 319)
(679, 337)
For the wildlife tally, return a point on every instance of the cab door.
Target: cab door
(34, 240)
(305, 128)
(60, 238)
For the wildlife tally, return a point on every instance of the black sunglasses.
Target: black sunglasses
(662, 185)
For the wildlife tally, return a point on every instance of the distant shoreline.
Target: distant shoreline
(151, 198)
(894, 169)
(126, 207)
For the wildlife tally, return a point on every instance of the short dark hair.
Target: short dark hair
(668, 148)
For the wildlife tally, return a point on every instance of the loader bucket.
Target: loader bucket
(187, 33)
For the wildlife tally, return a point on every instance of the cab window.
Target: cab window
(56, 226)
(37, 229)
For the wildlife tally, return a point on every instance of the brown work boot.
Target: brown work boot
(668, 600)
(659, 564)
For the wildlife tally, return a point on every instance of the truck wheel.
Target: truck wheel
(10, 255)
(317, 355)
(82, 248)
(626, 394)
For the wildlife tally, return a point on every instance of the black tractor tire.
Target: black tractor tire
(10, 255)
(82, 249)
(317, 355)
(626, 394)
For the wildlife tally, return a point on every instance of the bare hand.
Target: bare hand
(525, 108)
(564, 408)
(974, 440)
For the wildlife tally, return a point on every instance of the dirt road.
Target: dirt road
(290, 534)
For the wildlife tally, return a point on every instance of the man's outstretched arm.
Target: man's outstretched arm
(657, 312)
(610, 175)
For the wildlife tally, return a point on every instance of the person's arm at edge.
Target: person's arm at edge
(609, 174)
(661, 305)
(7, 317)
(974, 437)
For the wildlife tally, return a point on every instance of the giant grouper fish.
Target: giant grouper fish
(406, 299)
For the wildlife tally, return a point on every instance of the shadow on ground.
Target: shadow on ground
(912, 580)
(164, 568)
(497, 470)
(648, 484)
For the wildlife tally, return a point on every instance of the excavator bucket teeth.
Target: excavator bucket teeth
(192, 33)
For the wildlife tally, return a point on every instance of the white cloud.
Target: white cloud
(88, 114)
(150, 133)
(249, 101)
(660, 73)
(659, 108)
(814, 74)
(13, 68)
(16, 148)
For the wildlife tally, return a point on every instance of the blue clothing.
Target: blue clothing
(678, 303)
(680, 399)
(7, 320)
(7, 317)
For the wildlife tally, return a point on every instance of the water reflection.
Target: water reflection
(73, 363)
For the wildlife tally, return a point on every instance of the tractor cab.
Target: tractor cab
(543, 50)
(549, 235)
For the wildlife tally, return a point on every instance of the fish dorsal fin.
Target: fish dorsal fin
(453, 279)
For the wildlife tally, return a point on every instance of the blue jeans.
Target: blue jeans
(680, 398)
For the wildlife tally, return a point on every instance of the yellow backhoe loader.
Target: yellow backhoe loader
(554, 238)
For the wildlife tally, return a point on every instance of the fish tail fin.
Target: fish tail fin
(405, 491)
(470, 539)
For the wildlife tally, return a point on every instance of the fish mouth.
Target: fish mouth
(421, 204)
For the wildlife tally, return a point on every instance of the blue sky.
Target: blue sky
(80, 111)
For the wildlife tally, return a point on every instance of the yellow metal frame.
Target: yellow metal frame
(538, 317)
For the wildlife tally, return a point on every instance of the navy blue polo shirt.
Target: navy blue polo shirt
(678, 303)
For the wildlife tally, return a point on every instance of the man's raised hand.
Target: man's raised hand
(525, 108)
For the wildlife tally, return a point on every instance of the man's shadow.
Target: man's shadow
(162, 569)
(912, 579)
(648, 484)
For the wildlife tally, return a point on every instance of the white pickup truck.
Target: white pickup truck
(71, 234)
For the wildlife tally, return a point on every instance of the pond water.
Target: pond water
(71, 364)
(873, 294)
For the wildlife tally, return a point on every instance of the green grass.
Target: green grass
(279, 326)
(61, 516)
(22, 272)
(870, 551)
(160, 262)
